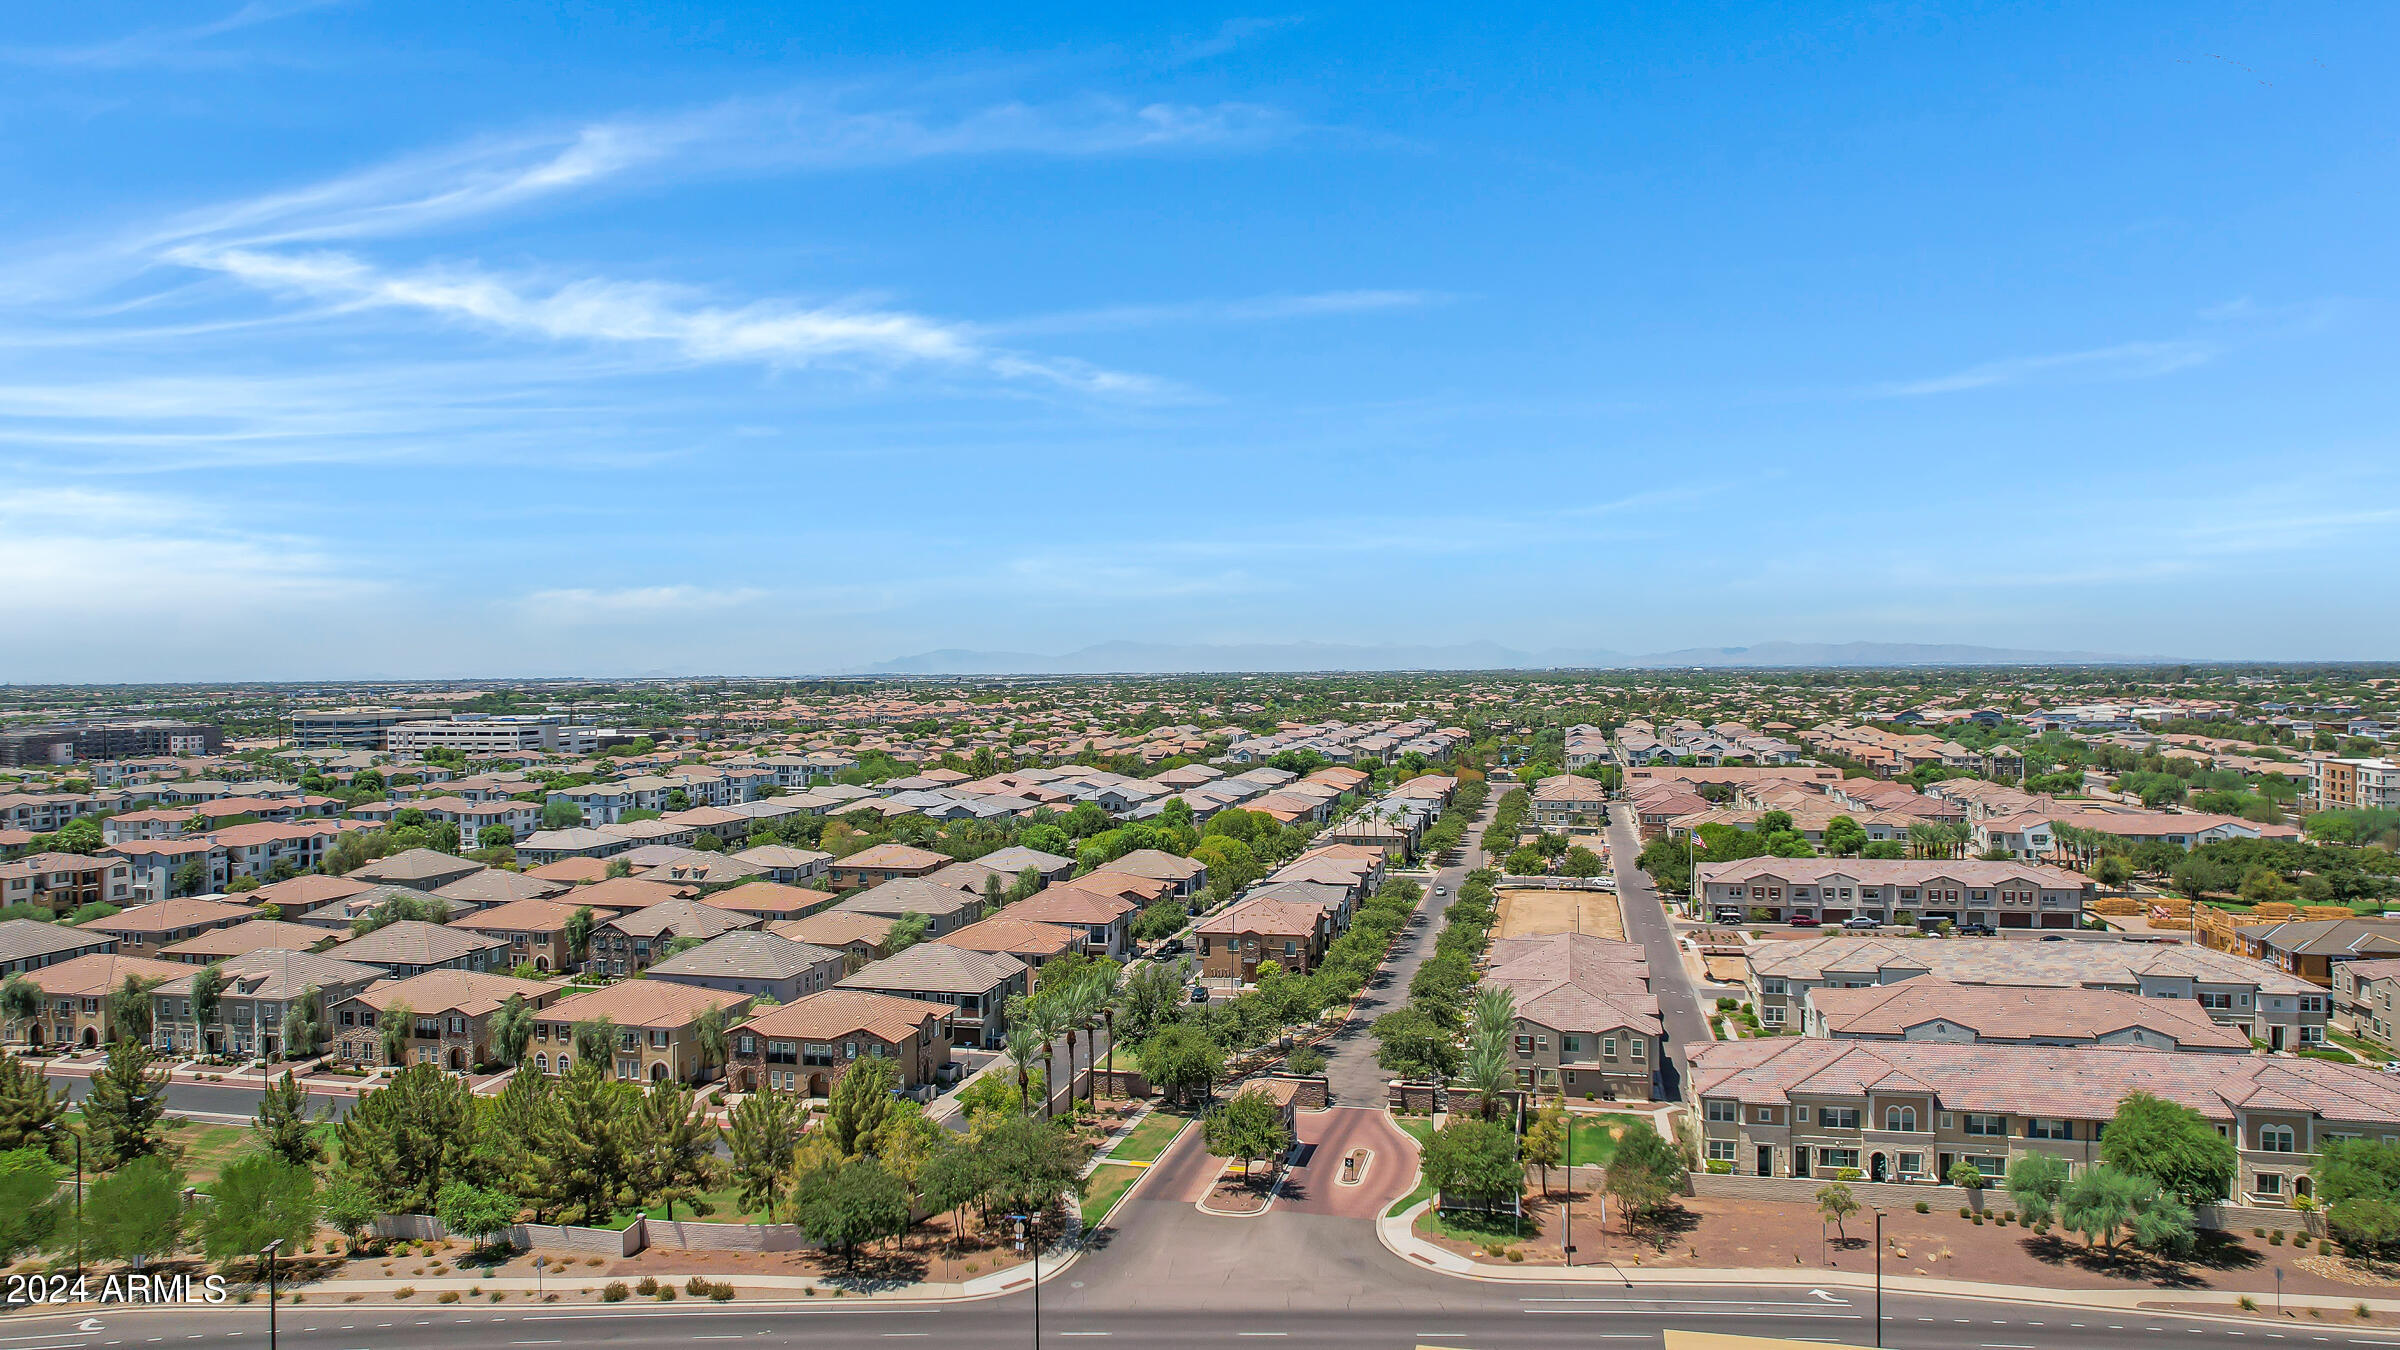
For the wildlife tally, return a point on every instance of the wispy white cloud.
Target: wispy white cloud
(1229, 35)
(585, 605)
(1263, 308)
(2124, 361)
(76, 551)
(164, 46)
(651, 314)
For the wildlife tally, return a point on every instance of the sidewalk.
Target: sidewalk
(1398, 1235)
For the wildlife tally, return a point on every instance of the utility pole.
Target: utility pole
(1568, 1242)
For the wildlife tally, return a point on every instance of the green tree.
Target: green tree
(578, 932)
(477, 1213)
(1545, 1141)
(121, 1113)
(1247, 1125)
(129, 1009)
(1966, 1176)
(1835, 1204)
(672, 1148)
(20, 1002)
(953, 1180)
(847, 1204)
(208, 998)
(134, 1213)
(2035, 1183)
(1032, 1163)
(906, 931)
(582, 1149)
(1844, 836)
(257, 1199)
(2172, 1145)
(1644, 1171)
(1581, 862)
(29, 1107)
(860, 1103)
(712, 1037)
(189, 879)
(283, 1126)
(29, 1202)
(766, 1128)
(560, 814)
(512, 1030)
(1183, 1062)
(1411, 1044)
(349, 1208)
(396, 1025)
(407, 1139)
(1475, 1160)
(2103, 1201)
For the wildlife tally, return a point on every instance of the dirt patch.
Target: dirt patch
(1726, 969)
(1715, 1232)
(1236, 1194)
(1530, 912)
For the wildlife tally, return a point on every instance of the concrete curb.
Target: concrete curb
(1398, 1235)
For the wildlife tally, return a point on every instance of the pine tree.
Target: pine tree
(509, 1135)
(672, 1145)
(129, 1011)
(766, 1128)
(29, 1106)
(283, 1125)
(581, 1148)
(859, 1104)
(122, 1112)
(404, 1140)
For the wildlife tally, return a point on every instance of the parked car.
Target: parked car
(1199, 993)
(1441, 890)
(1974, 930)
(1730, 916)
(1862, 921)
(1171, 947)
(1803, 921)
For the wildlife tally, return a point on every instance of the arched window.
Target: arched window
(1900, 1118)
(2275, 1139)
(542, 1062)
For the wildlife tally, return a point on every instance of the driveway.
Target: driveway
(1350, 1068)
(1314, 1183)
(1646, 922)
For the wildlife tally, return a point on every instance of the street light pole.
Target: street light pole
(1878, 1281)
(267, 1254)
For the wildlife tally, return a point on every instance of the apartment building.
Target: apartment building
(2281, 1009)
(1587, 1024)
(64, 882)
(805, 1046)
(976, 986)
(2353, 784)
(1830, 890)
(751, 961)
(1234, 941)
(143, 929)
(353, 728)
(1907, 1112)
(2314, 949)
(30, 944)
(108, 740)
(655, 1029)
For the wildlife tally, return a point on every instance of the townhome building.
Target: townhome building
(241, 939)
(410, 947)
(946, 908)
(259, 990)
(144, 929)
(2366, 1000)
(654, 1029)
(1898, 890)
(258, 850)
(754, 962)
(2314, 949)
(787, 865)
(976, 985)
(76, 995)
(1102, 923)
(536, 931)
(860, 938)
(447, 1017)
(1013, 860)
(65, 882)
(1909, 1111)
(1930, 1009)
(155, 864)
(549, 846)
(630, 943)
(2267, 1004)
(1568, 799)
(1235, 940)
(1035, 944)
(1587, 1024)
(423, 869)
(882, 863)
(30, 944)
(805, 1046)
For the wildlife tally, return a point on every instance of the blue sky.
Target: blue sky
(376, 339)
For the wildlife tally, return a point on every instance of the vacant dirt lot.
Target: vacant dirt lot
(1536, 913)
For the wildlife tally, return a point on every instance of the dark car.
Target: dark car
(1199, 993)
(1974, 929)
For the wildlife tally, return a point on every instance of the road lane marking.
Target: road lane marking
(533, 1342)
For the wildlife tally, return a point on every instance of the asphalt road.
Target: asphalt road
(1646, 922)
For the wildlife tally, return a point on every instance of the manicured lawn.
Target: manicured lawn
(1596, 1137)
(207, 1148)
(1150, 1138)
(2356, 1046)
(1108, 1184)
(1476, 1226)
(1419, 1128)
(725, 1206)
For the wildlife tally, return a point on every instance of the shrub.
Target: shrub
(2324, 1248)
(1965, 1213)
(2246, 1303)
(2258, 1232)
(1720, 1166)
(2275, 1239)
(696, 1286)
(616, 1292)
(2361, 1311)
(1979, 1221)
(1516, 1254)
(449, 1296)
(647, 1287)
(405, 1291)
(1923, 1208)
(721, 1291)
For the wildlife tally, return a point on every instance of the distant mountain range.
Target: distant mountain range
(1128, 658)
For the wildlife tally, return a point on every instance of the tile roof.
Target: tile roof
(836, 1013)
(645, 1003)
(469, 992)
(250, 935)
(1997, 1012)
(100, 973)
(680, 917)
(747, 953)
(937, 968)
(412, 942)
(2059, 965)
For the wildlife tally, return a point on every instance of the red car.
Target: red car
(1803, 921)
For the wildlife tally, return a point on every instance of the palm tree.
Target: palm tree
(1489, 1072)
(1023, 1047)
(1049, 1022)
